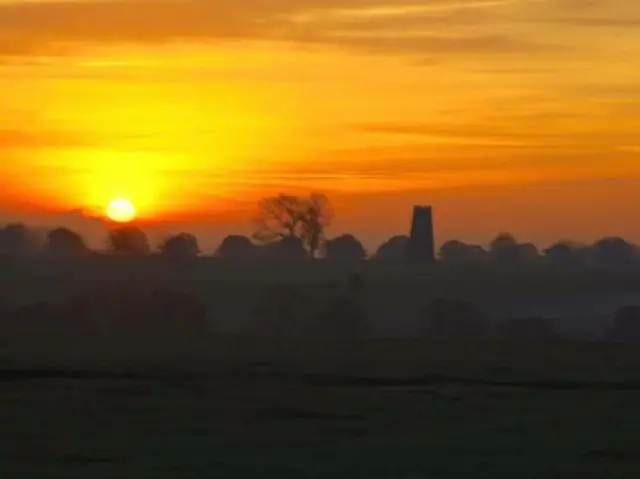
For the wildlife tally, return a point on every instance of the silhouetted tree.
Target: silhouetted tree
(564, 254)
(128, 240)
(63, 241)
(236, 247)
(319, 215)
(528, 253)
(17, 239)
(614, 252)
(393, 249)
(285, 216)
(505, 250)
(457, 252)
(183, 245)
(345, 247)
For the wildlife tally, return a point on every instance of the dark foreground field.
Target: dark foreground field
(385, 410)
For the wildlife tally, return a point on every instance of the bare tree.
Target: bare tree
(287, 216)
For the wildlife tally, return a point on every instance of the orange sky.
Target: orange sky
(520, 115)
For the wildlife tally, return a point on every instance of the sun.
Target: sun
(121, 210)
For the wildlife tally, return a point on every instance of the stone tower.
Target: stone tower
(421, 247)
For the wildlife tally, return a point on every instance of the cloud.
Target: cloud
(602, 22)
(53, 26)
(424, 44)
(496, 133)
(590, 13)
(33, 139)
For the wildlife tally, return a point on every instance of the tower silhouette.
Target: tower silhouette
(420, 247)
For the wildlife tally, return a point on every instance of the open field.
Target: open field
(224, 405)
(389, 409)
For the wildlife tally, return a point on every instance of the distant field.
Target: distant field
(392, 295)
(440, 277)
(389, 409)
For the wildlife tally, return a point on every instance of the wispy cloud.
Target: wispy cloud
(11, 139)
(53, 26)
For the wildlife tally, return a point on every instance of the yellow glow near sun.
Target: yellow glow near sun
(121, 210)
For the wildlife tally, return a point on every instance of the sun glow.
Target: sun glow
(121, 210)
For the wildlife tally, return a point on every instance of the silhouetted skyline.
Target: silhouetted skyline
(295, 227)
(194, 110)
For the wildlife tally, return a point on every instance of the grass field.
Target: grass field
(390, 409)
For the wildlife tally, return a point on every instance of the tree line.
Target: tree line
(288, 226)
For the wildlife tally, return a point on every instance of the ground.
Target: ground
(394, 409)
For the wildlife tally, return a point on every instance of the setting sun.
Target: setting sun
(121, 210)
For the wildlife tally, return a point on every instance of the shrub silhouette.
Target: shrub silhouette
(450, 319)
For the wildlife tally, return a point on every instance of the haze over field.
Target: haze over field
(518, 114)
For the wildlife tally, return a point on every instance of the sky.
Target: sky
(516, 115)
